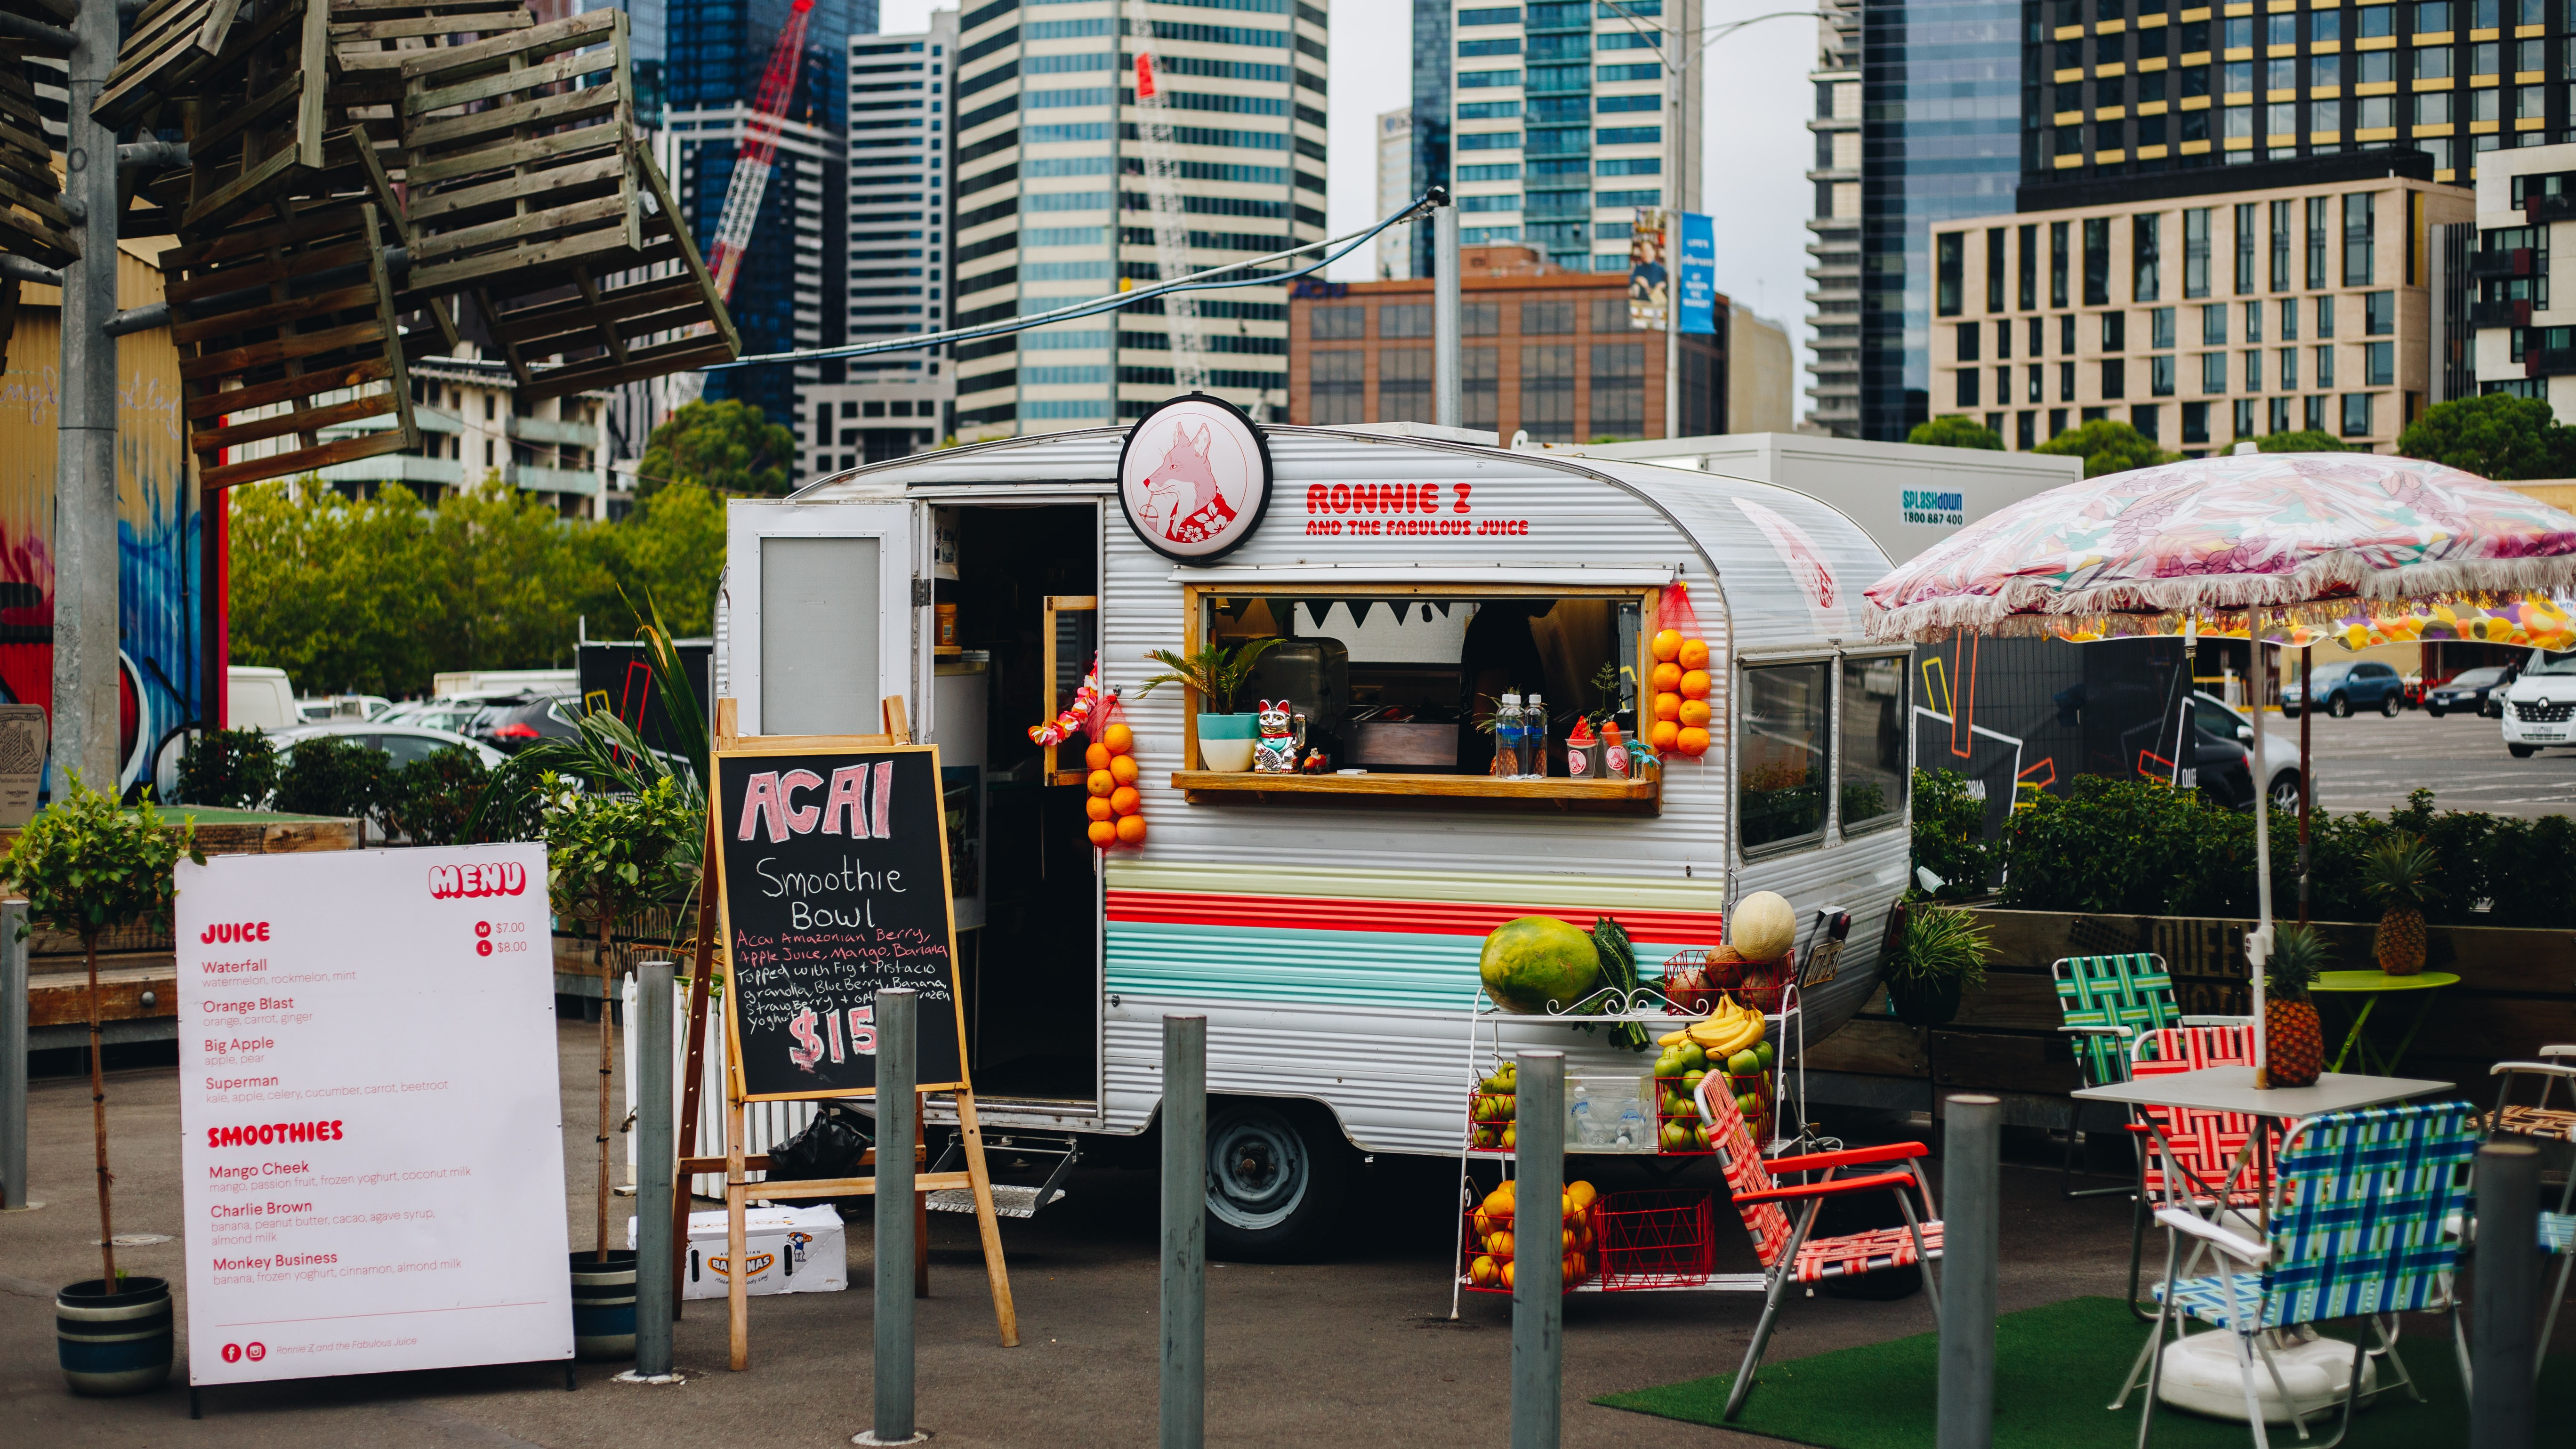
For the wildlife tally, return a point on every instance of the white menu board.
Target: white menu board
(372, 1129)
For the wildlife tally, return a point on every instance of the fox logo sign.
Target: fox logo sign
(501, 878)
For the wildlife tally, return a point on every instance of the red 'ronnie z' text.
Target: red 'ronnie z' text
(499, 878)
(859, 802)
(269, 1134)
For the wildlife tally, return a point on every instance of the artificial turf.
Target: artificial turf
(2056, 1369)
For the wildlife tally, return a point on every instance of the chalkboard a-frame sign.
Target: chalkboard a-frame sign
(833, 879)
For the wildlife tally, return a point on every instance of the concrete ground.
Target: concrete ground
(1361, 1350)
(2370, 763)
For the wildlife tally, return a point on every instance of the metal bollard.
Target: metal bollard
(2508, 1268)
(13, 1057)
(656, 1163)
(898, 1019)
(1538, 1279)
(1184, 1402)
(1970, 1252)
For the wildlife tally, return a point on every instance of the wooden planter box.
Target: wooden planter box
(2517, 993)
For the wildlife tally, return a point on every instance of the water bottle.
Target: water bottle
(1579, 1122)
(1507, 738)
(1534, 739)
(1634, 1133)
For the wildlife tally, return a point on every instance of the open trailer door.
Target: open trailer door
(824, 615)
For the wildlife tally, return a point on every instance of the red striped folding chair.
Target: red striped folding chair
(1789, 1251)
(2192, 1158)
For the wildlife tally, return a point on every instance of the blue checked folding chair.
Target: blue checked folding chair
(2106, 1004)
(2355, 1231)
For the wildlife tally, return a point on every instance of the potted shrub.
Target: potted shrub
(610, 858)
(1940, 952)
(87, 865)
(1216, 674)
(236, 769)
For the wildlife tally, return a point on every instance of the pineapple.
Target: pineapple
(2294, 1047)
(2400, 872)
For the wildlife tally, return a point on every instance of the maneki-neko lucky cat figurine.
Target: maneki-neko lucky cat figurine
(1283, 734)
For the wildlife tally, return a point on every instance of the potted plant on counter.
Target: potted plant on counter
(1216, 674)
(88, 866)
(1940, 953)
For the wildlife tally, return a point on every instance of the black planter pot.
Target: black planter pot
(114, 1342)
(1924, 1003)
(603, 1306)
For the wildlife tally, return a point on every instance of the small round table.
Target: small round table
(2373, 985)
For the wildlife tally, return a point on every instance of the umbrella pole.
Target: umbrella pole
(2307, 775)
(2258, 948)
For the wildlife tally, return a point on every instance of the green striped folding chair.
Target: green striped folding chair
(2355, 1231)
(2106, 1003)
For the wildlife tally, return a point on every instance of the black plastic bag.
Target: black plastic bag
(828, 1146)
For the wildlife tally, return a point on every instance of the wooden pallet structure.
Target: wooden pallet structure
(33, 222)
(172, 43)
(285, 330)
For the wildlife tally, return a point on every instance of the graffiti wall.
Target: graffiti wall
(157, 521)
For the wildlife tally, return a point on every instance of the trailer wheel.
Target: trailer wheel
(1276, 1176)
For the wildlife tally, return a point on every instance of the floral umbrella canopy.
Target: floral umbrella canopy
(2288, 548)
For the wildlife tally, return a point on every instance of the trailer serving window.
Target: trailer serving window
(1874, 771)
(1402, 683)
(1781, 755)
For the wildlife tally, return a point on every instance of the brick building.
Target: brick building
(1546, 349)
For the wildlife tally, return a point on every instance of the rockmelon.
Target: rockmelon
(1535, 960)
(1765, 927)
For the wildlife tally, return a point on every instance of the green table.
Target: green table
(2373, 985)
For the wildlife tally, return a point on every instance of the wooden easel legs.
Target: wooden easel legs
(1005, 1316)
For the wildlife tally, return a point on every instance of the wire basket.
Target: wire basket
(1669, 1090)
(1489, 1116)
(1480, 1266)
(1656, 1238)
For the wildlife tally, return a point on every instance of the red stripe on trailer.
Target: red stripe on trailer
(1428, 918)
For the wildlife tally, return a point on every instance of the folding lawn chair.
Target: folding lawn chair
(2356, 1231)
(2542, 1123)
(2106, 1002)
(1789, 1252)
(2188, 1157)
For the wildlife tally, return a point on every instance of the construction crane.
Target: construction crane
(753, 160)
(1163, 194)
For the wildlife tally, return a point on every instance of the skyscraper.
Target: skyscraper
(1559, 123)
(1394, 190)
(1941, 119)
(1835, 228)
(1430, 115)
(1054, 201)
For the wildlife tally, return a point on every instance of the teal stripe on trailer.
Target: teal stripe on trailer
(1328, 968)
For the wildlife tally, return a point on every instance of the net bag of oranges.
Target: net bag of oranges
(1681, 682)
(1116, 806)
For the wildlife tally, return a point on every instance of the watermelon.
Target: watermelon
(1536, 960)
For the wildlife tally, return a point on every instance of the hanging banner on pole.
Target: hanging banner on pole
(1649, 281)
(1699, 273)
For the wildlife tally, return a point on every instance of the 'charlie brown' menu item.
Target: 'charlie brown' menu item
(370, 1116)
(835, 879)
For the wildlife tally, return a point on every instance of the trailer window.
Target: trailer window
(1781, 758)
(1874, 716)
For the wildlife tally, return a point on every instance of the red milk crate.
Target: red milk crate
(1654, 1238)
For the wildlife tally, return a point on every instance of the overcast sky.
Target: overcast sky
(1757, 146)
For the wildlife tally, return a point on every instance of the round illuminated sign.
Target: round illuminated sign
(1194, 479)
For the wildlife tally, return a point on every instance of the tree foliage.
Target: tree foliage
(729, 446)
(1955, 432)
(2494, 436)
(88, 865)
(2306, 440)
(377, 595)
(2106, 447)
(610, 857)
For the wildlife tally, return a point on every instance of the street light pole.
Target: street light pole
(85, 548)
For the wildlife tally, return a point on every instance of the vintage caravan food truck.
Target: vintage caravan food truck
(1328, 921)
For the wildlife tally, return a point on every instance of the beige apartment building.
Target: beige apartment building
(2204, 306)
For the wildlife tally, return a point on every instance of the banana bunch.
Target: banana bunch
(1729, 1027)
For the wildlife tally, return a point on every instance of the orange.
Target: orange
(1668, 706)
(1507, 1277)
(1102, 782)
(1118, 738)
(1096, 758)
(1668, 644)
(1694, 654)
(1694, 714)
(1122, 768)
(1125, 800)
(1692, 742)
(1097, 808)
(1103, 834)
(1667, 677)
(1663, 735)
(1131, 831)
(1695, 684)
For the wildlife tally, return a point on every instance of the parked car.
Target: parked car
(2539, 704)
(343, 706)
(2217, 718)
(405, 742)
(2346, 685)
(2468, 692)
(446, 711)
(513, 723)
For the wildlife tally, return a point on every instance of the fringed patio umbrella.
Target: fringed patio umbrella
(2288, 549)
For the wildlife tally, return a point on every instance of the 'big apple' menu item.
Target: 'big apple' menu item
(372, 1133)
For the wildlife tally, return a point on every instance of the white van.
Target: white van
(2540, 704)
(259, 698)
